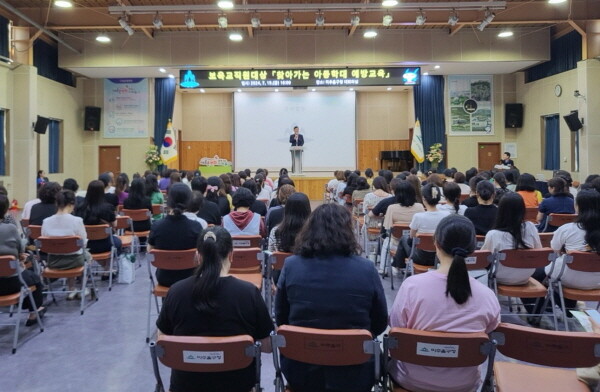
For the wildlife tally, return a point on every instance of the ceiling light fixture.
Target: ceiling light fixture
(320, 19)
(387, 20)
(255, 21)
(276, 90)
(389, 89)
(370, 34)
(288, 21)
(453, 18)
(421, 18)
(505, 34)
(125, 25)
(162, 70)
(351, 89)
(157, 22)
(437, 67)
(63, 4)
(489, 16)
(389, 3)
(222, 21)
(171, 76)
(236, 36)
(425, 73)
(103, 38)
(354, 20)
(313, 89)
(202, 90)
(190, 23)
(239, 90)
(225, 4)
(556, 1)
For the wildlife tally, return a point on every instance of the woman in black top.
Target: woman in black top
(212, 303)
(137, 200)
(215, 192)
(47, 206)
(209, 211)
(258, 206)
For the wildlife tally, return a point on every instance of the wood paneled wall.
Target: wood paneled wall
(368, 151)
(191, 152)
(313, 187)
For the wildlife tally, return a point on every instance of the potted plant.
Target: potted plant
(435, 155)
(153, 159)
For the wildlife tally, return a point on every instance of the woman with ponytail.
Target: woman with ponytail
(452, 193)
(175, 232)
(445, 300)
(213, 303)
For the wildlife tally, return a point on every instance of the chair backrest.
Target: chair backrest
(399, 230)
(59, 245)
(8, 266)
(157, 209)
(137, 215)
(247, 241)
(34, 231)
(123, 222)
(120, 208)
(546, 238)
(479, 240)
(348, 198)
(24, 223)
(463, 197)
(440, 349)
(548, 348)
(526, 258)
(327, 347)
(531, 214)
(480, 259)
(278, 258)
(205, 353)
(246, 260)
(98, 232)
(173, 259)
(560, 219)
(583, 261)
(424, 242)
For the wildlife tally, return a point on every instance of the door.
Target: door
(488, 154)
(109, 159)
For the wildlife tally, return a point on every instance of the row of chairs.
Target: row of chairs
(425, 348)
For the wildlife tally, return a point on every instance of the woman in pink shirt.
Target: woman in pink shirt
(445, 300)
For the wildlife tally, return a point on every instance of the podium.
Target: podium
(296, 152)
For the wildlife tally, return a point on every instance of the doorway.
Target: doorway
(109, 159)
(488, 155)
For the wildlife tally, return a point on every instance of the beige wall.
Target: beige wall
(384, 115)
(207, 116)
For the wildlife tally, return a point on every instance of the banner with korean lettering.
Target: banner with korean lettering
(126, 108)
(301, 77)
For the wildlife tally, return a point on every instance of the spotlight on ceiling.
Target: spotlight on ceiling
(505, 34)
(103, 38)
(489, 16)
(255, 21)
(225, 4)
(320, 19)
(222, 21)
(387, 20)
(288, 21)
(190, 23)
(157, 22)
(236, 36)
(421, 18)
(63, 4)
(162, 70)
(370, 34)
(453, 18)
(556, 1)
(125, 25)
(389, 3)
(354, 20)
(171, 76)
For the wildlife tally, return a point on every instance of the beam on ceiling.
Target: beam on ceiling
(147, 32)
(581, 30)
(457, 28)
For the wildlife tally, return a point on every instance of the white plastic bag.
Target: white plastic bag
(126, 268)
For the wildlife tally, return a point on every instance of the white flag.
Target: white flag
(416, 147)
(168, 151)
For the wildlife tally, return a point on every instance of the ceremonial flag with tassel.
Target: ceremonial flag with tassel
(168, 151)
(416, 147)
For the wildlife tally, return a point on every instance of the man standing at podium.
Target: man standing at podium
(297, 140)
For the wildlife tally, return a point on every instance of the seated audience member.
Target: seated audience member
(511, 179)
(264, 190)
(275, 214)
(350, 187)
(380, 192)
(326, 251)
(11, 245)
(243, 176)
(153, 192)
(526, 188)
(227, 187)
(559, 202)
(333, 183)
(500, 187)
(472, 172)
(361, 190)
(26, 213)
(62, 224)
(121, 188)
(259, 206)
(483, 215)
(213, 303)
(381, 207)
(8, 218)
(369, 176)
(296, 211)
(72, 185)
(109, 196)
(194, 206)
(421, 223)
(265, 174)
(174, 178)
(242, 221)
(565, 175)
(165, 179)
(283, 172)
(215, 192)
(436, 180)
(209, 211)
(445, 300)
(174, 232)
(137, 200)
(459, 179)
(274, 202)
(471, 201)
(452, 193)
(339, 191)
(511, 231)
(182, 198)
(47, 205)
(236, 181)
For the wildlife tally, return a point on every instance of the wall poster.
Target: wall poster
(126, 108)
(471, 105)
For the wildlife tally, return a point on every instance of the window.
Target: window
(4, 38)
(551, 142)
(54, 147)
(3, 143)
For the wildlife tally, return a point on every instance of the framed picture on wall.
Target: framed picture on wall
(471, 105)
(511, 148)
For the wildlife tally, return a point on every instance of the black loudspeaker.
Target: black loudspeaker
(91, 121)
(41, 125)
(513, 115)
(573, 121)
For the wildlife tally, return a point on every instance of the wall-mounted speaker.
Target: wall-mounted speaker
(91, 121)
(513, 115)
(41, 125)
(573, 121)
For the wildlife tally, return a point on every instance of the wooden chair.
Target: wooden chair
(166, 260)
(463, 197)
(395, 233)
(557, 220)
(158, 209)
(424, 242)
(546, 238)
(531, 214)
(547, 348)
(138, 216)
(324, 347)
(205, 354)
(588, 262)
(102, 232)
(247, 264)
(64, 246)
(479, 259)
(9, 267)
(479, 240)
(438, 349)
(247, 241)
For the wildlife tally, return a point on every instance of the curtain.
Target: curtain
(164, 102)
(565, 52)
(552, 143)
(2, 147)
(54, 147)
(429, 110)
(45, 59)
(4, 37)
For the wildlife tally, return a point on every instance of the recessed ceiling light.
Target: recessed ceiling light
(351, 89)
(276, 90)
(103, 38)
(370, 34)
(225, 4)
(171, 76)
(556, 1)
(235, 36)
(425, 73)
(162, 70)
(389, 89)
(202, 90)
(313, 89)
(437, 67)
(505, 34)
(63, 4)
(389, 3)
(239, 90)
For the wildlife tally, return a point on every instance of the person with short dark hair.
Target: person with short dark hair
(452, 195)
(137, 200)
(41, 178)
(8, 218)
(511, 179)
(296, 139)
(471, 201)
(444, 300)
(560, 202)
(109, 196)
(242, 221)
(369, 175)
(483, 215)
(501, 187)
(47, 205)
(506, 161)
(527, 189)
(180, 196)
(472, 172)
(314, 291)
(72, 185)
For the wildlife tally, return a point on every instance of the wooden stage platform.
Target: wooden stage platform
(313, 187)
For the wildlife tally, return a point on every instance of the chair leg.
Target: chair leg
(564, 309)
(17, 324)
(11, 310)
(148, 321)
(83, 287)
(110, 269)
(37, 314)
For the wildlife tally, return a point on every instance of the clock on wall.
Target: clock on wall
(557, 90)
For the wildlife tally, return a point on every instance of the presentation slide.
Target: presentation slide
(264, 122)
